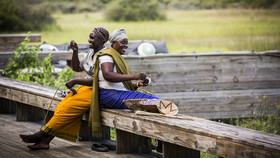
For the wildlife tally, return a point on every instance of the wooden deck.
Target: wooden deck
(12, 146)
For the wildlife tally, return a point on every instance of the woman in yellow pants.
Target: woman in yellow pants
(66, 121)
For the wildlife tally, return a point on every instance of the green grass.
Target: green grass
(184, 31)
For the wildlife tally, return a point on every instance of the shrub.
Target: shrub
(218, 4)
(26, 66)
(269, 123)
(134, 10)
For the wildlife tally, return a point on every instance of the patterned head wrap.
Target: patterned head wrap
(117, 35)
(102, 33)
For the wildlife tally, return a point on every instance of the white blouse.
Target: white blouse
(104, 83)
(88, 60)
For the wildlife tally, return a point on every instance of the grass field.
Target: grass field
(184, 31)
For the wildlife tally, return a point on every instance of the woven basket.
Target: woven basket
(149, 108)
(133, 104)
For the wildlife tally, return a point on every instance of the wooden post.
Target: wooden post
(69, 63)
(49, 115)
(86, 134)
(132, 143)
(176, 151)
(26, 112)
(7, 106)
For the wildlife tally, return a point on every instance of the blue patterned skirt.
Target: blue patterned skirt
(113, 99)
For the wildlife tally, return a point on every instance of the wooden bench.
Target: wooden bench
(181, 137)
(246, 84)
(9, 42)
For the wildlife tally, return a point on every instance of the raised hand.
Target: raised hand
(74, 45)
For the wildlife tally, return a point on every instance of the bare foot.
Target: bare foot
(39, 146)
(29, 138)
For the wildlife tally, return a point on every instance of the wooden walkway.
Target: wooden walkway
(12, 146)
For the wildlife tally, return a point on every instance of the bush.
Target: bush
(134, 10)
(19, 15)
(26, 66)
(218, 4)
(269, 123)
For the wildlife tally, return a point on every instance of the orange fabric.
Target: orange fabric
(66, 121)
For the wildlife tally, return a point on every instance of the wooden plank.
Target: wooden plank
(9, 42)
(209, 54)
(10, 128)
(21, 148)
(15, 38)
(159, 87)
(230, 104)
(170, 61)
(28, 87)
(28, 98)
(178, 73)
(11, 138)
(7, 150)
(197, 134)
(60, 55)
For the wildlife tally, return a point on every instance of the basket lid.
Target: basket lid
(167, 107)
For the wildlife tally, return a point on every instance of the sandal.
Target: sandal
(110, 144)
(99, 148)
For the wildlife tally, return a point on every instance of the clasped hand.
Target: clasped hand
(144, 79)
(70, 84)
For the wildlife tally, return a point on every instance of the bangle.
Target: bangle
(137, 84)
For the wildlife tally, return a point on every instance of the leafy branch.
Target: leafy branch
(26, 66)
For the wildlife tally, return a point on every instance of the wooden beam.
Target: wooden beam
(61, 55)
(9, 42)
(197, 134)
(17, 38)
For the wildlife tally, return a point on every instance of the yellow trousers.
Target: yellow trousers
(66, 121)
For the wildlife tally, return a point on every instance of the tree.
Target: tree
(134, 10)
(19, 15)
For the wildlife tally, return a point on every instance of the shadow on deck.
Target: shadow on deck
(12, 146)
